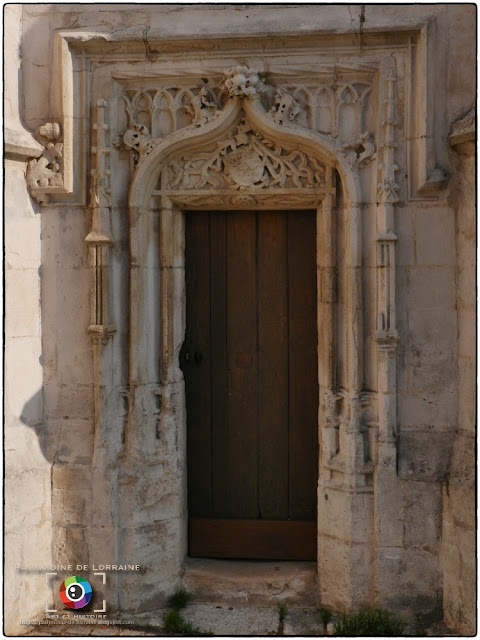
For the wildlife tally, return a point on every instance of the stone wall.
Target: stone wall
(28, 517)
(96, 431)
(458, 524)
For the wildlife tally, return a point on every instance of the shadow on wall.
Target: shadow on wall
(32, 417)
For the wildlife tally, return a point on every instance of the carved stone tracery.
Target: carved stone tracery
(169, 108)
(337, 111)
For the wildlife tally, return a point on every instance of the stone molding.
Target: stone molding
(20, 145)
(463, 133)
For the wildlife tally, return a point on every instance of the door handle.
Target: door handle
(186, 357)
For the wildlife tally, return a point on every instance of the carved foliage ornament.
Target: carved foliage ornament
(360, 152)
(244, 82)
(46, 171)
(284, 108)
(246, 160)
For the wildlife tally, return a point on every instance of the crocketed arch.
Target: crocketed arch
(189, 139)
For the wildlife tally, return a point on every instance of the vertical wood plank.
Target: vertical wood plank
(242, 453)
(197, 374)
(218, 315)
(303, 377)
(272, 365)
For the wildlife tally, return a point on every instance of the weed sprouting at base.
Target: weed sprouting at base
(179, 599)
(367, 623)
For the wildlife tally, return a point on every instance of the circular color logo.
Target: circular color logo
(75, 592)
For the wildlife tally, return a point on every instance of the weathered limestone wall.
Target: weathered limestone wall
(68, 384)
(458, 523)
(426, 398)
(27, 465)
(459, 491)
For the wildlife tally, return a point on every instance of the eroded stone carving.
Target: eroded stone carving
(46, 171)
(388, 188)
(203, 109)
(243, 200)
(100, 174)
(164, 111)
(284, 108)
(361, 152)
(139, 140)
(209, 199)
(246, 160)
(350, 438)
(244, 82)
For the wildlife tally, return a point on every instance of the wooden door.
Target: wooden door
(250, 365)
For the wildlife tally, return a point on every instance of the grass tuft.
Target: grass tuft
(367, 622)
(282, 611)
(173, 621)
(175, 624)
(325, 616)
(179, 599)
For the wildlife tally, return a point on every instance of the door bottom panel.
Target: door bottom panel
(252, 539)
